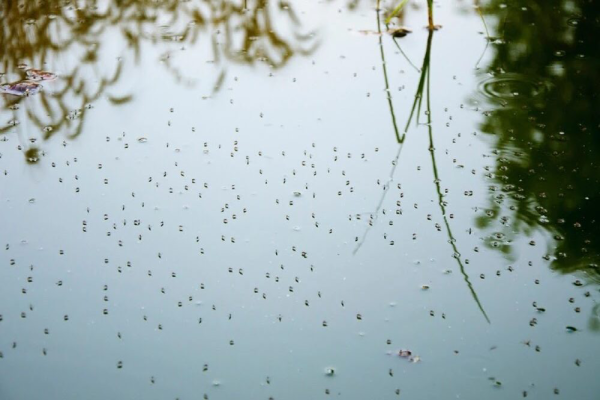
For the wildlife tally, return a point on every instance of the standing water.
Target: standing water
(299, 200)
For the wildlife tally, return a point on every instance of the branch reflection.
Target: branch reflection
(77, 39)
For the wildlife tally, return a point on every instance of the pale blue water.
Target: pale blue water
(221, 243)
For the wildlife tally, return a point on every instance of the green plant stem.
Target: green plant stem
(395, 11)
(430, 14)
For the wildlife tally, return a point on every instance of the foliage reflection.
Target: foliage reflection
(74, 38)
(544, 98)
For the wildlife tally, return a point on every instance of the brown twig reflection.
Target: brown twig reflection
(73, 38)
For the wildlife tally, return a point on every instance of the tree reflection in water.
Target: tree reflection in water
(73, 38)
(544, 97)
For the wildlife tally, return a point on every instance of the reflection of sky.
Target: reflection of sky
(334, 99)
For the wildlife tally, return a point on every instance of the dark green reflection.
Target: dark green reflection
(545, 117)
(69, 35)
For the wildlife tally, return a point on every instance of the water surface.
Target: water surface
(242, 199)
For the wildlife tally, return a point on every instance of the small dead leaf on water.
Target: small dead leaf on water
(399, 32)
(407, 354)
(404, 353)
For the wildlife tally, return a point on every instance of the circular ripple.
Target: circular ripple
(512, 87)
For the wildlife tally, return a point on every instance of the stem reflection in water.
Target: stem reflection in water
(423, 88)
(451, 239)
(399, 138)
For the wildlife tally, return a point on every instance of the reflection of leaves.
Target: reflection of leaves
(56, 105)
(259, 40)
(219, 82)
(547, 151)
(120, 100)
(62, 32)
